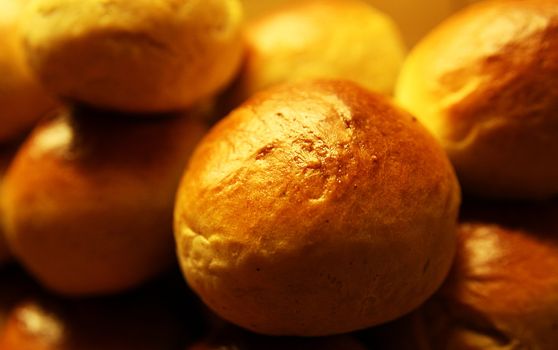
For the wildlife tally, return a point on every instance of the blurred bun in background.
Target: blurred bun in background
(134, 56)
(485, 83)
(88, 200)
(346, 39)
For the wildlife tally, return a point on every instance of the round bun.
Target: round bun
(139, 56)
(503, 289)
(88, 199)
(22, 100)
(346, 39)
(485, 82)
(314, 209)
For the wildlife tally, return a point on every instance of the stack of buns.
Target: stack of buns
(319, 213)
(87, 201)
(485, 83)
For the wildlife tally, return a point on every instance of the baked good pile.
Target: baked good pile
(174, 175)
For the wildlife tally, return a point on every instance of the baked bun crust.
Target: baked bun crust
(485, 82)
(22, 100)
(315, 209)
(137, 56)
(502, 292)
(346, 39)
(88, 200)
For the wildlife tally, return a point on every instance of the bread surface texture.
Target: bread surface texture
(316, 208)
(309, 39)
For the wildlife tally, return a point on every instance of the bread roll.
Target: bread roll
(138, 56)
(88, 200)
(307, 39)
(485, 83)
(314, 209)
(503, 290)
(22, 100)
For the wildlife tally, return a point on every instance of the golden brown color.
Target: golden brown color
(502, 292)
(347, 39)
(140, 56)
(485, 82)
(89, 198)
(315, 209)
(22, 101)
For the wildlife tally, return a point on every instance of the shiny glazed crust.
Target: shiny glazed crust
(88, 200)
(140, 56)
(485, 82)
(315, 209)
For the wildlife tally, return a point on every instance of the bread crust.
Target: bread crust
(22, 100)
(88, 200)
(134, 56)
(316, 208)
(485, 82)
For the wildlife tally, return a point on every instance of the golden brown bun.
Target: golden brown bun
(485, 82)
(347, 39)
(22, 101)
(89, 198)
(233, 338)
(314, 209)
(502, 292)
(145, 319)
(139, 56)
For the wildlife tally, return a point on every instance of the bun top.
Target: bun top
(134, 56)
(494, 60)
(314, 39)
(485, 83)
